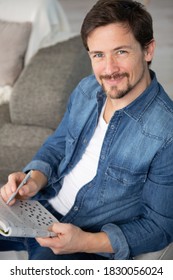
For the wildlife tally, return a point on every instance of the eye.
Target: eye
(121, 52)
(98, 55)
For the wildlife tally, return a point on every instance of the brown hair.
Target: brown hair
(130, 13)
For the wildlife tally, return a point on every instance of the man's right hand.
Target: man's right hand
(37, 181)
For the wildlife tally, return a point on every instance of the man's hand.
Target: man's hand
(71, 239)
(33, 185)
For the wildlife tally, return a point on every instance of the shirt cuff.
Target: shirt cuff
(40, 166)
(118, 242)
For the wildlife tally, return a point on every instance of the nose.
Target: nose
(111, 65)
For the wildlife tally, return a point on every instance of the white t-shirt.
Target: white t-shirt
(84, 171)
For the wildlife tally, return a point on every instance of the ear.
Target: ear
(149, 50)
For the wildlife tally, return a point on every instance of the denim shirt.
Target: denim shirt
(131, 197)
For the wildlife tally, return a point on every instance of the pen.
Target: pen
(28, 175)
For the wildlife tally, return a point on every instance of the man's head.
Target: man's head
(118, 35)
(130, 13)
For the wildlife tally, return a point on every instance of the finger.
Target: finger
(29, 189)
(25, 190)
(6, 193)
(62, 228)
(10, 187)
(47, 241)
(15, 179)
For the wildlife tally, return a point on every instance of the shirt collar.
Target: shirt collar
(137, 108)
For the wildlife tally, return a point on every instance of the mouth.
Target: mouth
(113, 79)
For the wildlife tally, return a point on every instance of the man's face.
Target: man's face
(118, 61)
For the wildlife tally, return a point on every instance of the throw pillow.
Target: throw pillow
(13, 45)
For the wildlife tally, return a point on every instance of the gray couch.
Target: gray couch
(38, 102)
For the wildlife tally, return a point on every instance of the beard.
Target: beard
(113, 91)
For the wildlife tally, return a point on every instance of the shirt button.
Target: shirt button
(75, 208)
(112, 126)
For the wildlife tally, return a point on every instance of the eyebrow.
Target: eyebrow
(115, 49)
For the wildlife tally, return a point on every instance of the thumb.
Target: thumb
(59, 228)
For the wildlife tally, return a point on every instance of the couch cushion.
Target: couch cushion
(18, 145)
(4, 114)
(40, 94)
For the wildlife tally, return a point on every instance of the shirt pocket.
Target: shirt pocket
(124, 182)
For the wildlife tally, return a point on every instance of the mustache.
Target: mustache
(114, 76)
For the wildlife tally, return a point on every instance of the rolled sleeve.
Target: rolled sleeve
(51, 188)
(118, 242)
(40, 166)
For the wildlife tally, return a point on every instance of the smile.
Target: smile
(114, 78)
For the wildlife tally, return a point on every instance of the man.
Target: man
(106, 172)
